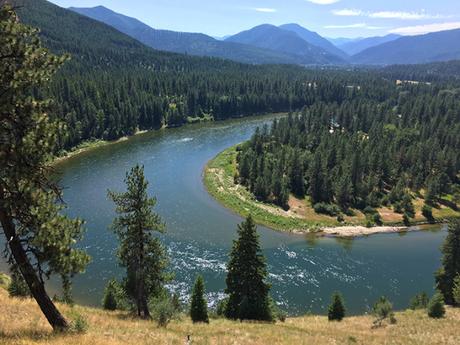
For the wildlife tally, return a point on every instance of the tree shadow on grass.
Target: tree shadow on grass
(28, 334)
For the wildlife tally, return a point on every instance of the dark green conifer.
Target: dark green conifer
(450, 262)
(139, 250)
(336, 311)
(246, 286)
(199, 305)
(435, 306)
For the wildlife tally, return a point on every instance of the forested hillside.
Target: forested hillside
(361, 154)
(184, 42)
(114, 85)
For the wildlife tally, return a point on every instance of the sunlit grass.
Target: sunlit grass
(21, 322)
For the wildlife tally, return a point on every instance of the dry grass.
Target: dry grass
(22, 323)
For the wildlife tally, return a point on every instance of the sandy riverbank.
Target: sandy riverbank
(356, 230)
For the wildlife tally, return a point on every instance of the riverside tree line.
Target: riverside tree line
(41, 242)
(360, 154)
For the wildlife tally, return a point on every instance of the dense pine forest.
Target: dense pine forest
(361, 153)
(114, 85)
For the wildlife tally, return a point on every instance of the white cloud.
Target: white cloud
(323, 2)
(416, 15)
(403, 15)
(348, 12)
(265, 10)
(424, 29)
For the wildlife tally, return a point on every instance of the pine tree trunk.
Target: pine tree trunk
(37, 288)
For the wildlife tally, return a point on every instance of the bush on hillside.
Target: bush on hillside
(435, 307)
(383, 309)
(336, 310)
(419, 301)
(327, 209)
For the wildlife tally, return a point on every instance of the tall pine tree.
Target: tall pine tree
(198, 305)
(445, 276)
(40, 239)
(139, 251)
(247, 271)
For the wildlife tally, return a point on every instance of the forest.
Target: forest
(362, 153)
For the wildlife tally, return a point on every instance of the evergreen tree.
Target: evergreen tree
(199, 306)
(315, 174)
(456, 290)
(139, 250)
(40, 239)
(248, 292)
(18, 286)
(419, 301)
(296, 175)
(109, 301)
(435, 306)
(336, 309)
(450, 262)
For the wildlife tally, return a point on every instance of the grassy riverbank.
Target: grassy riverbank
(21, 322)
(218, 179)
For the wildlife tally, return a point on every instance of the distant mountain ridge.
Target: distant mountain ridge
(432, 47)
(356, 46)
(183, 42)
(271, 37)
(315, 39)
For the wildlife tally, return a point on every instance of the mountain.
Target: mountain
(342, 40)
(432, 47)
(274, 38)
(113, 85)
(358, 45)
(183, 42)
(314, 39)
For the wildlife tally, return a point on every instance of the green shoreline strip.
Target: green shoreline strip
(218, 179)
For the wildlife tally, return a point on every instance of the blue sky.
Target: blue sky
(330, 18)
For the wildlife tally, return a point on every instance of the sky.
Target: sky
(330, 18)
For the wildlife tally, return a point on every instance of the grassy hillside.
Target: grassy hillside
(22, 323)
(218, 179)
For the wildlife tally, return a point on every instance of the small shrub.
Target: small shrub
(4, 281)
(109, 301)
(383, 309)
(419, 301)
(327, 209)
(336, 310)
(369, 210)
(18, 286)
(221, 306)
(79, 324)
(115, 297)
(427, 212)
(163, 310)
(177, 304)
(340, 218)
(406, 219)
(398, 207)
(281, 315)
(456, 290)
(435, 307)
(377, 219)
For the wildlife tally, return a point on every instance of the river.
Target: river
(304, 270)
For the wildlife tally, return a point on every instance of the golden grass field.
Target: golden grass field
(22, 323)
